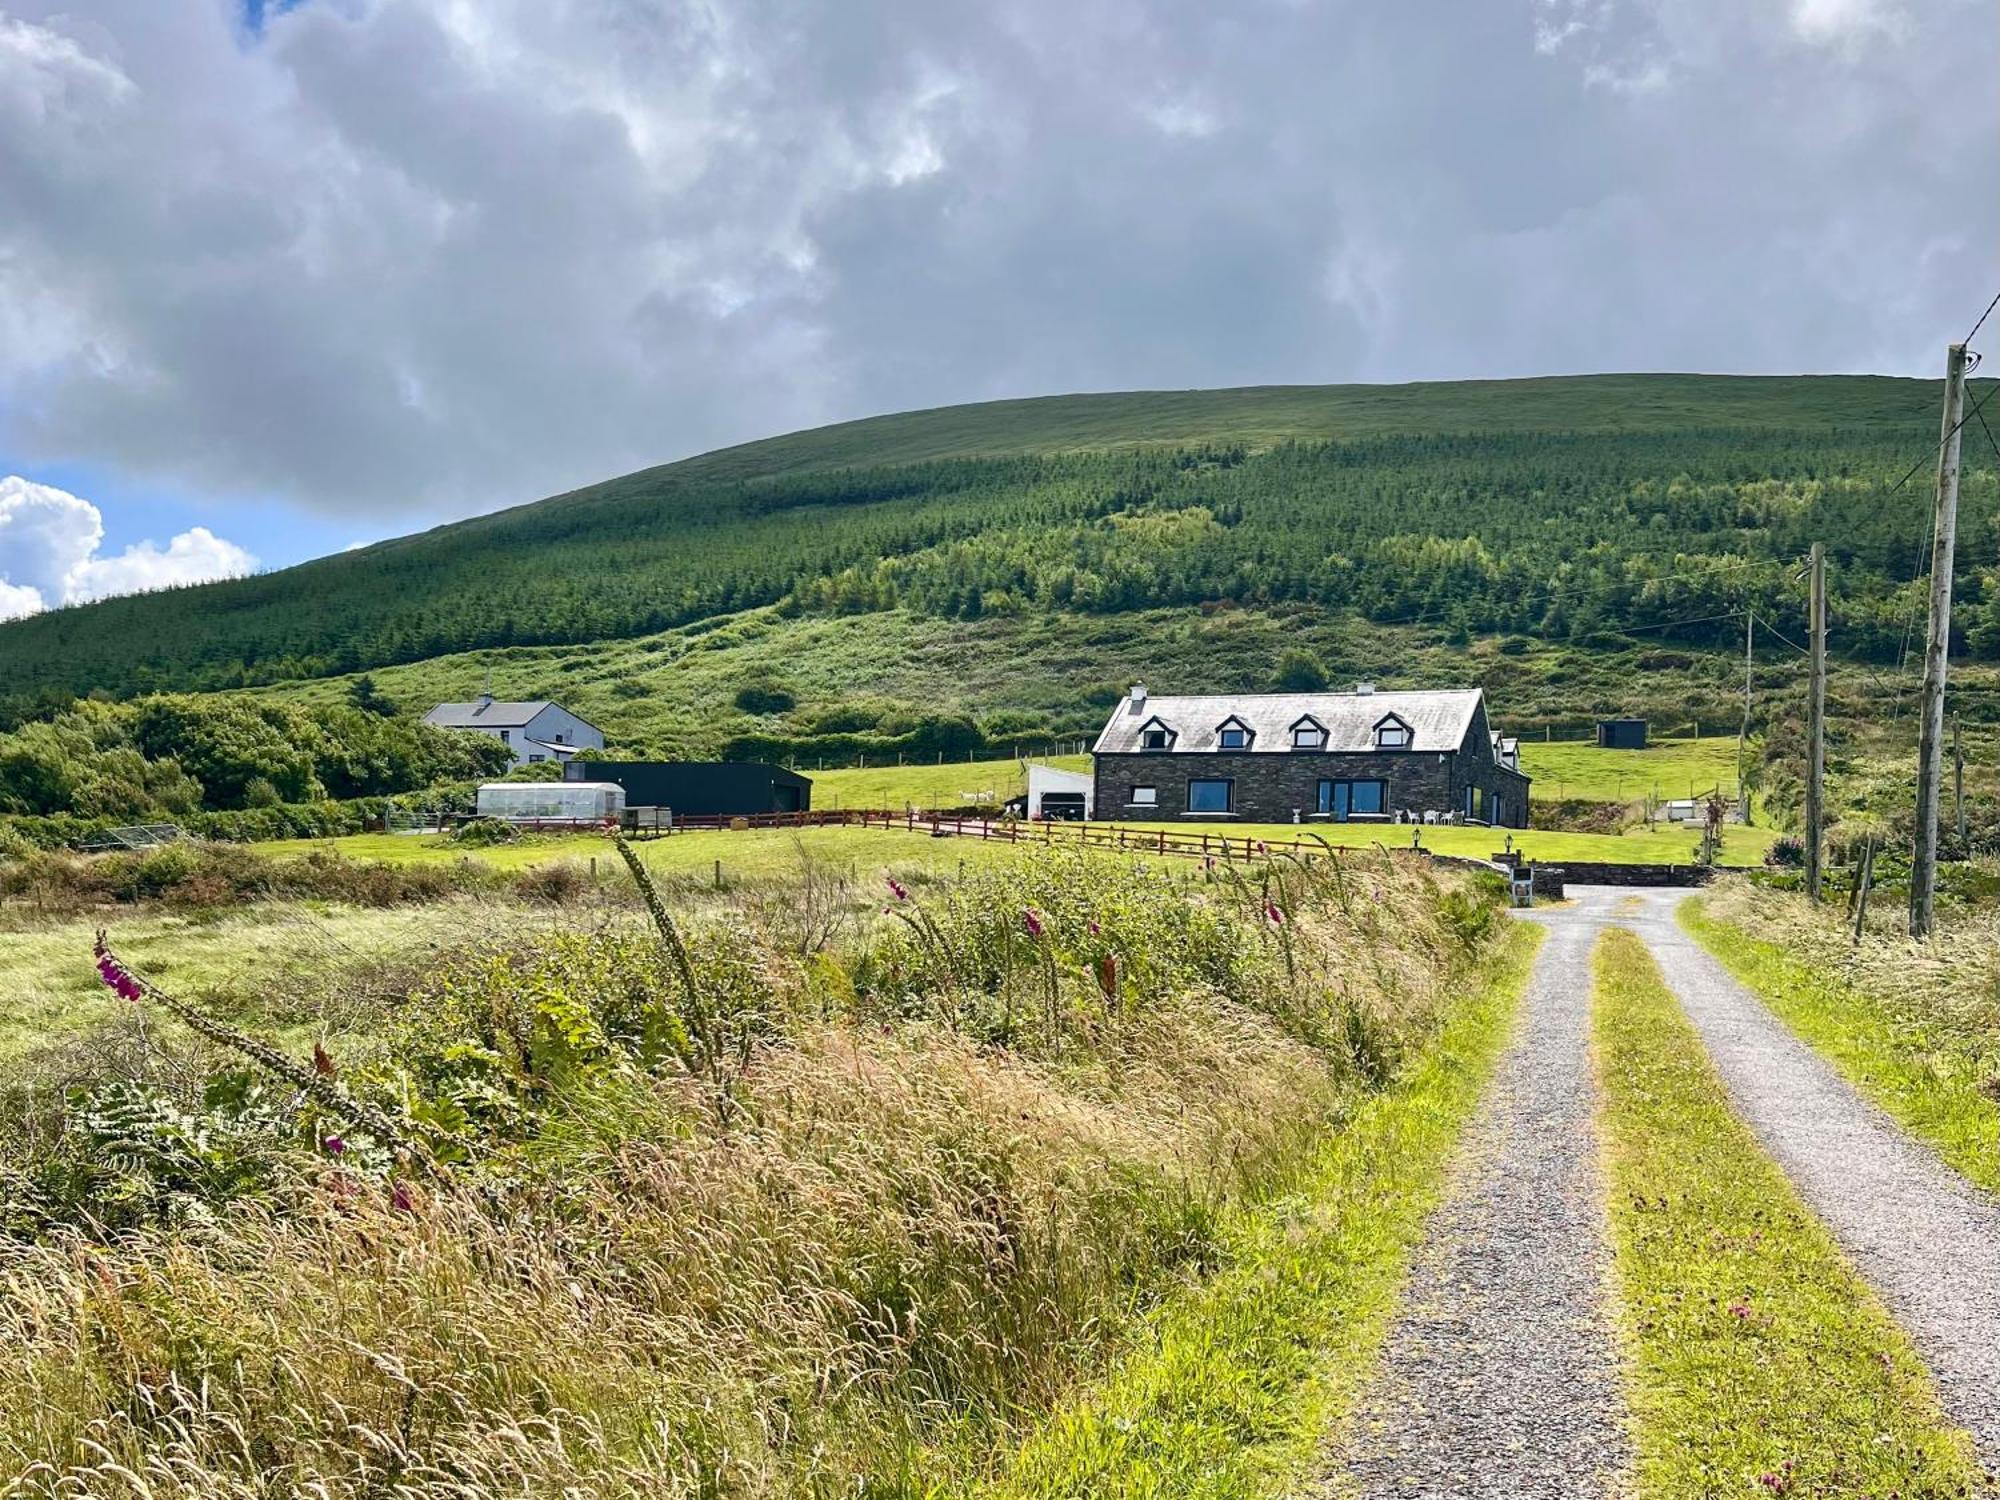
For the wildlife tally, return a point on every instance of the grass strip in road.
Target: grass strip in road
(1888, 1058)
(1760, 1362)
(1238, 1381)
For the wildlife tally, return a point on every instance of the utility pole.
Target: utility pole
(1816, 725)
(1743, 738)
(1930, 724)
(1958, 784)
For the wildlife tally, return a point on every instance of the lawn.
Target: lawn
(765, 853)
(1665, 769)
(950, 784)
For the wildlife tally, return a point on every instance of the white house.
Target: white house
(535, 732)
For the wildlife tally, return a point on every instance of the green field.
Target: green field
(1665, 770)
(760, 853)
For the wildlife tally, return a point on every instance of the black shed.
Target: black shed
(701, 788)
(1621, 734)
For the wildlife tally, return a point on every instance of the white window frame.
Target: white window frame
(1312, 727)
(1144, 796)
(1406, 736)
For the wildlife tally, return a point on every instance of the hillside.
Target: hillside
(1562, 507)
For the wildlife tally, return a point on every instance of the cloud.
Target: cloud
(49, 541)
(403, 259)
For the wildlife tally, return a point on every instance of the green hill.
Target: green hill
(1567, 508)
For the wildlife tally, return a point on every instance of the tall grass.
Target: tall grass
(958, 1166)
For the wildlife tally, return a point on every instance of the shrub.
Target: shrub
(482, 833)
(1787, 851)
(764, 698)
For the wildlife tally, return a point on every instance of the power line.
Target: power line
(1982, 318)
(1932, 455)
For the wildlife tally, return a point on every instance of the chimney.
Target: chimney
(1138, 696)
(1362, 689)
(486, 692)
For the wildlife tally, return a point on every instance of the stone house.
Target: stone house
(1362, 756)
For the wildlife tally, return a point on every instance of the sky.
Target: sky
(283, 279)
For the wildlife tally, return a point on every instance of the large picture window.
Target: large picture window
(1210, 796)
(1341, 800)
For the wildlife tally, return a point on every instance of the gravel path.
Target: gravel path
(1501, 1377)
(1924, 1238)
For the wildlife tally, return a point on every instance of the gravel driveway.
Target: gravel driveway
(1500, 1377)
(1922, 1236)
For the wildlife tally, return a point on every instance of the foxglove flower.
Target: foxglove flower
(1032, 920)
(334, 1145)
(896, 888)
(1276, 916)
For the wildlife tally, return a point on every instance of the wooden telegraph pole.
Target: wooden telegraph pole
(1958, 784)
(1743, 737)
(1816, 725)
(1930, 723)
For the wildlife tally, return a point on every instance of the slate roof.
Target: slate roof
(1438, 720)
(493, 715)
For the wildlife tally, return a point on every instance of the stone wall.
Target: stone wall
(1270, 785)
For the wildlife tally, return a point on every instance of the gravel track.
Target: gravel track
(1500, 1377)
(1922, 1236)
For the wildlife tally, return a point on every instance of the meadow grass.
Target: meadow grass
(964, 1157)
(235, 960)
(1759, 1360)
(1235, 1385)
(763, 853)
(1911, 1026)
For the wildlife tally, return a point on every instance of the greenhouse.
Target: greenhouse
(552, 801)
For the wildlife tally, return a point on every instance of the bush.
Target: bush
(1299, 671)
(1787, 851)
(764, 698)
(482, 833)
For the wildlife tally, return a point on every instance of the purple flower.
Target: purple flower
(334, 1145)
(1271, 910)
(896, 888)
(399, 1198)
(1262, 847)
(117, 978)
(1093, 928)
(1032, 920)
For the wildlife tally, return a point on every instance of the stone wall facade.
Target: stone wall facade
(1269, 786)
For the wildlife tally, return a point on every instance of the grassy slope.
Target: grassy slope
(1759, 1357)
(1890, 1057)
(1237, 1382)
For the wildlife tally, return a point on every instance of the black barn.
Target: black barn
(700, 788)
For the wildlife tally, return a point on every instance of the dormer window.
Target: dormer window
(1392, 734)
(1155, 735)
(1308, 734)
(1233, 734)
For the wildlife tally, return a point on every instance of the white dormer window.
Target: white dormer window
(1155, 735)
(1308, 734)
(1392, 734)
(1233, 734)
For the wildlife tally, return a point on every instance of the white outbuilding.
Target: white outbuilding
(1054, 793)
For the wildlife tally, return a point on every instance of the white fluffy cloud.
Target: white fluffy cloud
(404, 258)
(49, 541)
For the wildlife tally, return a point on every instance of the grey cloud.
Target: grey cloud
(408, 260)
